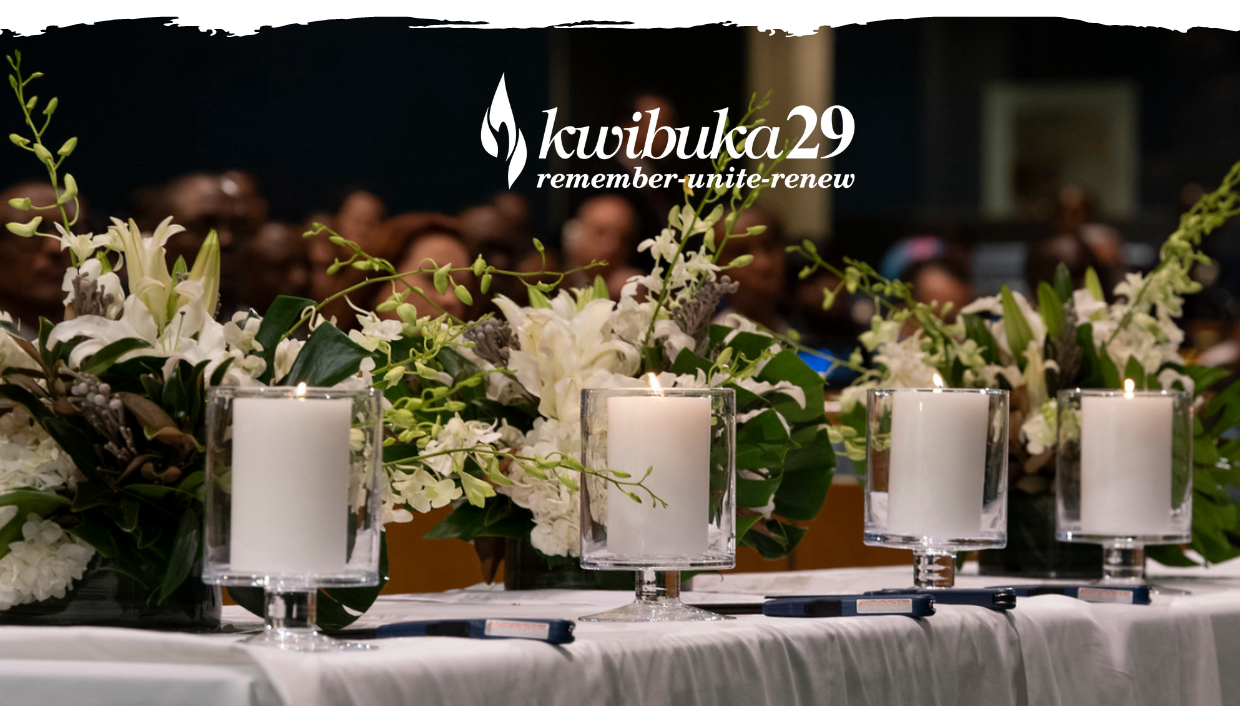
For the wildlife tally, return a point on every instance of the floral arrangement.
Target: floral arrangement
(101, 423)
(486, 415)
(101, 429)
(1071, 338)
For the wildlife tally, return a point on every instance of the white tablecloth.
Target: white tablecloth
(1050, 650)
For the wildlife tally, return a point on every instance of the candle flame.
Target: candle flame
(652, 381)
(938, 382)
(1129, 386)
(301, 390)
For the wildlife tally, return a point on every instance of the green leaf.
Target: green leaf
(98, 363)
(280, 317)
(772, 539)
(1094, 285)
(184, 553)
(788, 366)
(1110, 373)
(1019, 333)
(1203, 376)
(1169, 555)
(756, 492)
(975, 330)
(1063, 283)
(1051, 308)
(1133, 371)
(808, 469)
(328, 358)
(761, 442)
(500, 518)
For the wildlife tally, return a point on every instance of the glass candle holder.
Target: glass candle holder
(1124, 473)
(936, 483)
(292, 500)
(681, 444)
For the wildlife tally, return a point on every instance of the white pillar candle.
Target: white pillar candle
(672, 436)
(1126, 465)
(290, 479)
(937, 471)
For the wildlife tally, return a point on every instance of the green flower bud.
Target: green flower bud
(22, 204)
(538, 245)
(485, 283)
(25, 230)
(479, 266)
(51, 106)
(31, 103)
(44, 156)
(441, 279)
(741, 261)
(67, 148)
(394, 375)
(71, 190)
(18, 140)
(463, 294)
(407, 312)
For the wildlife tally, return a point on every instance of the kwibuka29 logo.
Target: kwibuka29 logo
(762, 143)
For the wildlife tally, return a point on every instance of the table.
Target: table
(1050, 650)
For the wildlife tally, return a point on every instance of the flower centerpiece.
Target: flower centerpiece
(1067, 338)
(488, 420)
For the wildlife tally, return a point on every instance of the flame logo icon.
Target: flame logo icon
(497, 116)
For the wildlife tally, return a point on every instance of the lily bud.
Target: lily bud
(207, 270)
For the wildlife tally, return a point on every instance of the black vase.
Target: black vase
(109, 599)
(1032, 550)
(527, 568)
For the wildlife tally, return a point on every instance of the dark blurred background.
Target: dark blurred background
(978, 142)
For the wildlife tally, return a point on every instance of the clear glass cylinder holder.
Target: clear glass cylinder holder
(1124, 474)
(686, 438)
(292, 501)
(936, 475)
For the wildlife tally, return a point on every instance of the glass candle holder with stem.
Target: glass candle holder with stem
(292, 501)
(1124, 473)
(681, 445)
(936, 483)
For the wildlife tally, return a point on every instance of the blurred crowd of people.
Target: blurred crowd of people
(262, 258)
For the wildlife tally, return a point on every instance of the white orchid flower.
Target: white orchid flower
(83, 246)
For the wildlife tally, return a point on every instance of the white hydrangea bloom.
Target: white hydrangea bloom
(44, 564)
(1039, 430)
(556, 508)
(29, 458)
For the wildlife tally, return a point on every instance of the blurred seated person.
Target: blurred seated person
(277, 263)
(763, 286)
(427, 240)
(32, 270)
(202, 202)
(604, 230)
(939, 280)
(357, 215)
(1045, 256)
